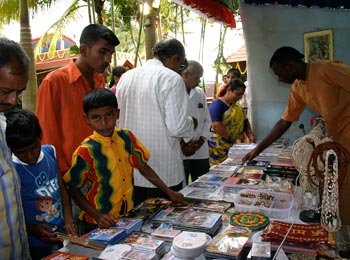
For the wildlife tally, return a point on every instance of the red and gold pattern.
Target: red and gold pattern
(253, 221)
(305, 235)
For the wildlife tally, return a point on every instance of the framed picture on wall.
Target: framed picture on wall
(318, 45)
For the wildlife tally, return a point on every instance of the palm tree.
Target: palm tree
(9, 12)
(29, 95)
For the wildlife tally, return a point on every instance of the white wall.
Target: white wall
(266, 28)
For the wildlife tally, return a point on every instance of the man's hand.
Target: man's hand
(250, 156)
(106, 221)
(190, 148)
(44, 232)
(177, 197)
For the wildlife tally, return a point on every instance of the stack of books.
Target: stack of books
(146, 243)
(200, 221)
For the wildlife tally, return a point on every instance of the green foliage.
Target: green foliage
(74, 49)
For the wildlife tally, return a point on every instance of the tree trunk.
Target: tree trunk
(150, 32)
(29, 95)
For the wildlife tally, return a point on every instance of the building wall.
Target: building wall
(267, 28)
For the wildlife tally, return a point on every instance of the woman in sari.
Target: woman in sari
(229, 123)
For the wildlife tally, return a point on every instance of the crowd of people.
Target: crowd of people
(71, 148)
(166, 135)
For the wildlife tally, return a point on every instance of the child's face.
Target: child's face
(29, 154)
(102, 120)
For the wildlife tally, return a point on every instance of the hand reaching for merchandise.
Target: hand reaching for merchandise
(106, 221)
(177, 197)
(44, 232)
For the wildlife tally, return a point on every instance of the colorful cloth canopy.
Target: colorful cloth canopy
(220, 11)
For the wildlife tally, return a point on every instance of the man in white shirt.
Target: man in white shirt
(153, 105)
(196, 154)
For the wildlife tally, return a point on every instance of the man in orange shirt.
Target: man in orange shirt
(60, 95)
(323, 86)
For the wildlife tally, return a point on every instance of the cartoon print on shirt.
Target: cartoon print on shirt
(48, 207)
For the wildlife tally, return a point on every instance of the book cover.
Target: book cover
(114, 252)
(144, 241)
(140, 255)
(165, 230)
(66, 256)
(211, 177)
(226, 246)
(201, 194)
(129, 224)
(232, 180)
(197, 218)
(169, 215)
(204, 185)
(216, 206)
(105, 236)
(145, 210)
(224, 168)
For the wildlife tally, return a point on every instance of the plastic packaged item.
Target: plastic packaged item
(277, 205)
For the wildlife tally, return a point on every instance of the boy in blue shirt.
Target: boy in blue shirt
(37, 169)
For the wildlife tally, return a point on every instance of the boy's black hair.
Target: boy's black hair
(22, 128)
(97, 98)
(233, 85)
(285, 54)
(11, 51)
(94, 32)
